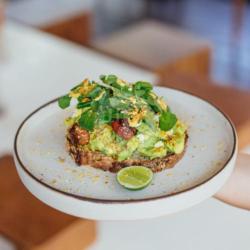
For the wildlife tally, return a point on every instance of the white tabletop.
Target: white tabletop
(210, 225)
(36, 67)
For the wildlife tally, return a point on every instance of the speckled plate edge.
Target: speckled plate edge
(95, 200)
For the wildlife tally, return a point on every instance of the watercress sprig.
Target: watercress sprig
(113, 99)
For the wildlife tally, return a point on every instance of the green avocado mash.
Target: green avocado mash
(147, 143)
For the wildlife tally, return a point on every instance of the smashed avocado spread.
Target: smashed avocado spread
(123, 120)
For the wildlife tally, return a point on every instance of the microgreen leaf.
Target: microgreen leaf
(94, 105)
(126, 91)
(142, 88)
(109, 79)
(153, 103)
(81, 105)
(116, 83)
(140, 92)
(64, 101)
(167, 121)
(105, 116)
(118, 115)
(118, 104)
(80, 98)
(140, 85)
(87, 120)
(94, 92)
(149, 119)
(104, 101)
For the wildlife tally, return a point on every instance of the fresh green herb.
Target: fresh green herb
(153, 103)
(143, 85)
(103, 95)
(64, 101)
(142, 88)
(102, 77)
(113, 99)
(118, 115)
(122, 93)
(82, 105)
(104, 101)
(167, 121)
(118, 104)
(110, 79)
(94, 105)
(94, 92)
(149, 120)
(105, 116)
(87, 120)
(113, 81)
(80, 98)
(140, 92)
(126, 91)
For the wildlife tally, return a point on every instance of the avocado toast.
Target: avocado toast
(118, 124)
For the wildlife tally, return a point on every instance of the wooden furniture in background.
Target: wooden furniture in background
(238, 9)
(158, 48)
(67, 19)
(2, 12)
(76, 28)
(234, 102)
(31, 224)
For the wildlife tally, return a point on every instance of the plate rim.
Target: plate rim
(126, 201)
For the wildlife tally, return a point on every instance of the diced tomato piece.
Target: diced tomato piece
(122, 128)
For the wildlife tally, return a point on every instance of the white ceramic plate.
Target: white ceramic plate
(51, 175)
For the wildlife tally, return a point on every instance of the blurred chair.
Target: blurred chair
(159, 48)
(67, 19)
(234, 102)
(75, 28)
(31, 224)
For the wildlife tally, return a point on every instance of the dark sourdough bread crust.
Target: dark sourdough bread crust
(99, 160)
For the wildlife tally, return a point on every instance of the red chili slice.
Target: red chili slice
(122, 128)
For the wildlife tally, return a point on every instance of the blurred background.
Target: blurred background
(223, 24)
(201, 46)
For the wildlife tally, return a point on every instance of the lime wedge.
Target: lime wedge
(135, 177)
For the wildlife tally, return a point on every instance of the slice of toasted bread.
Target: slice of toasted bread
(107, 163)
